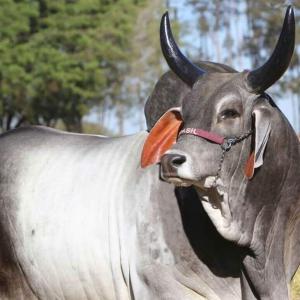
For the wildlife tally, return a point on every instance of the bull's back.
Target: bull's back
(58, 195)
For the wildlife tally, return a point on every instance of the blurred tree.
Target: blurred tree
(265, 21)
(215, 27)
(60, 58)
(146, 65)
(296, 286)
(248, 30)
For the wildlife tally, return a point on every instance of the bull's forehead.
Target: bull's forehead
(212, 91)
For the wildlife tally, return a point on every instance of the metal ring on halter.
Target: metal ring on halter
(228, 143)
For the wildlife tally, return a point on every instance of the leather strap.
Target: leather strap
(210, 136)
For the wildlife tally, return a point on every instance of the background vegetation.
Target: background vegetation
(296, 286)
(64, 60)
(59, 59)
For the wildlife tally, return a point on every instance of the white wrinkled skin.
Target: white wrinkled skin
(86, 224)
(69, 230)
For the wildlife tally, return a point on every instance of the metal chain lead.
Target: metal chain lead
(226, 146)
(219, 167)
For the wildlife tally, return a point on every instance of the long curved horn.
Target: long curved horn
(261, 78)
(179, 64)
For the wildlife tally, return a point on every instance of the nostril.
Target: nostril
(171, 163)
(178, 160)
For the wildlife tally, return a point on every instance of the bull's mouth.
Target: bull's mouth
(204, 185)
(177, 181)
(209, 189)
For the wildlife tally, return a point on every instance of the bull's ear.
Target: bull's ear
(262, 117)
(161, 137)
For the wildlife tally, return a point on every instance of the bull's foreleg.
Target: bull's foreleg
(264, 277)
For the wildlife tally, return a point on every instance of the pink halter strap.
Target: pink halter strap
(213, 137)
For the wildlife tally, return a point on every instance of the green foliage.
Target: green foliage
(146, 66)
(296, 286)
(265, 19)
(60, 58)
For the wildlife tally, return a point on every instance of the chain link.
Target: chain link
(220, 166)
(226, 146)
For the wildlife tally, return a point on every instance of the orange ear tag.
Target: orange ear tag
(249, 168)
(161, 137)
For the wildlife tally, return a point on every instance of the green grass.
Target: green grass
(296, 286)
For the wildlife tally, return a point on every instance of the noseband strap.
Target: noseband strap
(225, 142)
(210, 136)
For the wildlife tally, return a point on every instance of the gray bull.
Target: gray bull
(80, 219)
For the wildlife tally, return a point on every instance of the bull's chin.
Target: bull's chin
(203, 184)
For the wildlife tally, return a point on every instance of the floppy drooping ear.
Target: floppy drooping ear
(262, 118)
(161, 137)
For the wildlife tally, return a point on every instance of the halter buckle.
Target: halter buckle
(228, 143)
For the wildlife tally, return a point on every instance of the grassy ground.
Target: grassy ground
(296, 286)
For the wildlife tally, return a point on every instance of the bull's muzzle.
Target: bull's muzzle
(170, 164)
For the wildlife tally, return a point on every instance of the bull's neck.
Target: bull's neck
(271, 197)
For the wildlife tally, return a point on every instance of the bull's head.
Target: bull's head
(192, 141)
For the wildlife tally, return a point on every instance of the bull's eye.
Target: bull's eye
(228, 114)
